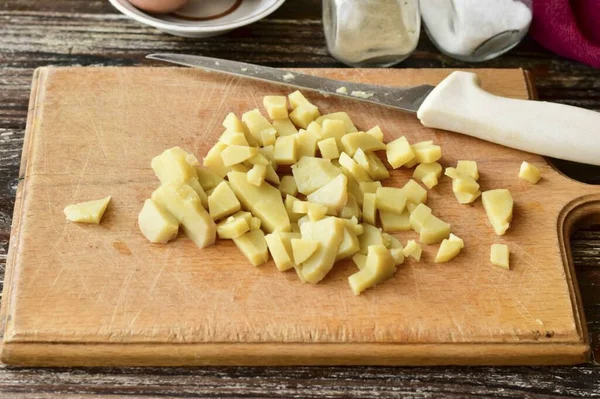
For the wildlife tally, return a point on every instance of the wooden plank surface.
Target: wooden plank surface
(33, 34)
(92, 133)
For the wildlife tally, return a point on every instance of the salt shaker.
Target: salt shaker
(476, 30)
(371, 33)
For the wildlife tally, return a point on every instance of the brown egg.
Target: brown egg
(158, 6)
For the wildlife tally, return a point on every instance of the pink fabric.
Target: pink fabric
(569, 28)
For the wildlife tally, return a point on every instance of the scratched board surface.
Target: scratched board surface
(101, 294)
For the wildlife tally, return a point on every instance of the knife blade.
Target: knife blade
(408, 99)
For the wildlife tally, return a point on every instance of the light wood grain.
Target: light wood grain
(160, 300)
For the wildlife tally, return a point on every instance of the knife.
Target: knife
(458, 104)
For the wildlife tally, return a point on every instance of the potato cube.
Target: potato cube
(354, 187)
(232, 123)
(296, 99)
(306, 143)
(333, 195)
(376, 132)
(333, 129)
(498, 205)
(313, 173)
(391, 221)
(462, 197)
(304, 114)
(329, 149)
(290, 200)
(349, 245)
(434, 230)
(342, 116)
(413, 250)
(222, 202)
(282, 258)
(418, 217)
(399, 152)
(268, 137)
(284, 127)
(257, 174)
(230, 137)
(256, 123)
(415, 193)
(353, 141)
(530, 173)
(370, 236)
(234, 154)
(87, 212)
(288, 186)
(156, 224)
(315, 128)
(369, 208)
(303, 249)
(207, 178)
(172, 166)
(268, 152)
(379, 266)
(426, 152)
(468, 168)
(500, 255)
(329, 232)
(286, 150)
(449, 249)
(254, 246)
(371, 163)
(391, 199)
(428, 173)
(181, 201)
(272, 176)
(353, 168)
(234, 226)
(264, 202)
(351, 209)
(276, 106)
(359, 260)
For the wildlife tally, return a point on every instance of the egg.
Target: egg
(158, 6)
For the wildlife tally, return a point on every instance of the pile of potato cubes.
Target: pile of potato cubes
(306, 189)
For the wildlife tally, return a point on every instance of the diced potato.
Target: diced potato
(207, 178)
(353, 141)
(379, 266)
(498, 205)
(288, 186)
(333, 195)
(230, 137)
(448, 250)
(376, 132)
(234, 226)
(462, 183)
(235, 154)
(329, 232)
(468, 168)
(286, 150)
(434, 230)
(530, 173)
(268, 152)
(369, 208)
(282, 258)
(264, 202)
(87, 212)
(290, 200)
(181, 201)
(315, 129)
(391, 199)
(272, 176)
(398, 255)
(351, 209)
(257, 174)
(352, 167)
(232, 123)
(256, 123)
(329, 149)
(303, 249)
(354, 187)
(195, 184)
(349, 245)
(428, 173)
(284, 127)
(156, 224)
(414, 192)
(342, 116)
(462, 197)
(333, 129)
(296, 99)
(418, 217)
(426, 152)
(254, 246)
(276, 106)
(371, 163)
(413, 250)
(391, 221)
(399, 152)
(306, 143)
(172, 166)
(304, 114)
(268, 137)
(223, 202)
(313, 173)
(359, 260)
(500, 255)
(370, 236)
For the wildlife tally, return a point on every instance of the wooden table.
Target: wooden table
(75, 32)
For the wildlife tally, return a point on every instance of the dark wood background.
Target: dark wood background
(90, 32)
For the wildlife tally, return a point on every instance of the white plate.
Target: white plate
(203, 18)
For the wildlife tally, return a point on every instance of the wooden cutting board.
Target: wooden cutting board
(102, 295)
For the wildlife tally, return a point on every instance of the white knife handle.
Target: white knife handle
(459, 104)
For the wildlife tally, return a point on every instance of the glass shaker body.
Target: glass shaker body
(476, 30)
(371, 33)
